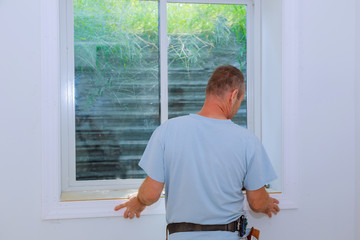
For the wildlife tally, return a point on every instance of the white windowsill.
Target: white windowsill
(104, 208)
(96, 195)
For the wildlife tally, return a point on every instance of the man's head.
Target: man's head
(224, 79)
(227, 85)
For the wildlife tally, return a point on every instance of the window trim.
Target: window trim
(53, 208)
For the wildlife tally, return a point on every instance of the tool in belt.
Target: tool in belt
(238, 225)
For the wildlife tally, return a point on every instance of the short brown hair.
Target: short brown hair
(225, 78)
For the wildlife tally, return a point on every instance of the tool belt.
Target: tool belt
(238, 225)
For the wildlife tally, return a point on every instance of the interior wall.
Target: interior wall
(357, 121)
(327, 115)
(326, 126)
(21, 143)
(326, 140)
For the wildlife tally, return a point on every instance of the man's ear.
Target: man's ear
(234, 95)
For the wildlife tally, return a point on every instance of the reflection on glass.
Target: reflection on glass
(116, 85)
(201, 38)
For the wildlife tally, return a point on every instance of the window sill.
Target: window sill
(97, 195)
(103, 205)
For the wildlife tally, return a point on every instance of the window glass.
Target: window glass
(201, 38)
(116, 85)
(117, 82)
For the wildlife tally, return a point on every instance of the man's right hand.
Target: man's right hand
(260, 201)
(272, 207)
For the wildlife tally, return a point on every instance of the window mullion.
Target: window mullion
(254, 68)
(163, 48)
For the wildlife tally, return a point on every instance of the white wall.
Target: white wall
(357, 120)
(327, 134)
(327, 147)
(328, 77)
(20, 138)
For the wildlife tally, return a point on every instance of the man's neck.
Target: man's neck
(213, 109)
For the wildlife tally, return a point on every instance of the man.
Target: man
(205, 160)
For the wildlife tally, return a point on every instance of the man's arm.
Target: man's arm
(149, 193)
(260, 201)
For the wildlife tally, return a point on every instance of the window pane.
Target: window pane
(116, 85)
(201, 38)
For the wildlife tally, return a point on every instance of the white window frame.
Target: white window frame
(52, 86)
(69, 183)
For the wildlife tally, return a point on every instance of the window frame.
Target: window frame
(54, 208)
(69, 182)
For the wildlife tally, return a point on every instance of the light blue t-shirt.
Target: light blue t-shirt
(205, 163)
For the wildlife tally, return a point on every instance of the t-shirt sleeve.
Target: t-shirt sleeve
(152, 161)
(259, 168)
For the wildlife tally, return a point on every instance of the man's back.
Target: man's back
(204, 163)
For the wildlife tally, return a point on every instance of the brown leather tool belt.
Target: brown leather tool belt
(191, 227)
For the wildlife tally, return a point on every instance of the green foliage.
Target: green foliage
(203, 18)
(114, 20)
(113, 36)
(109, 19)
(196, 28)
(142, 16)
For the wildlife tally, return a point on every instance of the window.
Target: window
(59, 139)
(131, 65)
